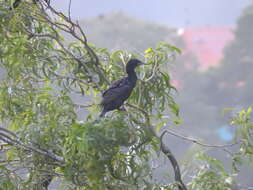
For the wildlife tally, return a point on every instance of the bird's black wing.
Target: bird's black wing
(117, 89)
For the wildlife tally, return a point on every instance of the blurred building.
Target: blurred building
(206, 43)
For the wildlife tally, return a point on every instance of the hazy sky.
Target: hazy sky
(177, 13)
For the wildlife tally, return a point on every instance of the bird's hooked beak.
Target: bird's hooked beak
(141, 63)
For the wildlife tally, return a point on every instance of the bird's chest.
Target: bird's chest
(128, 88)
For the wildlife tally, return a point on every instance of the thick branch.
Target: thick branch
(164, 149)
(171, 157)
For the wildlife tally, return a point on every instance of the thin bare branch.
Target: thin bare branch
(84, 106)
(154, 69)
(69, 10)
(198, 141)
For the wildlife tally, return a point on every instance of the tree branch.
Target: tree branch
(165, 149)
(73, 29)
(69, 10)
(171, 157)
(197, 141)
(19, 145)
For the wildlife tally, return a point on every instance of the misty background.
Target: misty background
(174, 13)
(214, 71)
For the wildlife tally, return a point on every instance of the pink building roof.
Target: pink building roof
(207, 43)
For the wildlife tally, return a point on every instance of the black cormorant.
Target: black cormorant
(120, 90)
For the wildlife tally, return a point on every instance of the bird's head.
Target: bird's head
(132, 64)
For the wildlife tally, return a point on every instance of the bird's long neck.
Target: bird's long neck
(132, 77)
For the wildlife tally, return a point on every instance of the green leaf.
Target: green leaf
(174, 108)
(149, 50)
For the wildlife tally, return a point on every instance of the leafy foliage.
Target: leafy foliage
(35, 103)
(211, 175)
(243, 121)
(98, 152)
(44, 138)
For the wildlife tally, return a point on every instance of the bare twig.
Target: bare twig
(84, 106)
(197, 141)
(74, 29)
(153, 72)
(69, 10)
